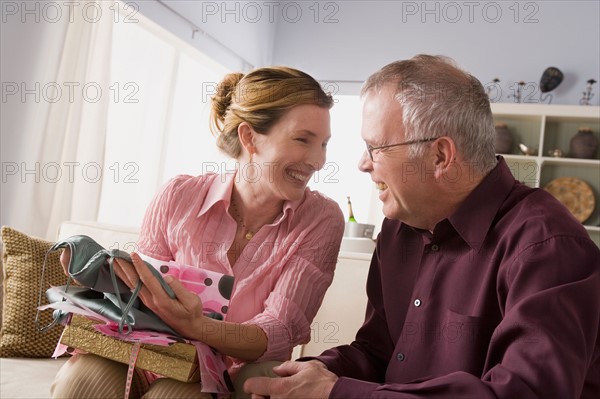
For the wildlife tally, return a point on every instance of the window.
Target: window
(157, 117)
(158, 126)
(340, 176)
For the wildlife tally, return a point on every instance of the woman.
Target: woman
(260, 224)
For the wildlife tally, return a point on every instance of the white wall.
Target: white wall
(362, 36)
(349, 40)
(244, 29)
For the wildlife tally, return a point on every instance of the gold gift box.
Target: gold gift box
(178, 361)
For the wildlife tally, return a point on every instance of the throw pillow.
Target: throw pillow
(23, 257)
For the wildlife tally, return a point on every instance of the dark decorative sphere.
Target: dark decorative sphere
(550, 80)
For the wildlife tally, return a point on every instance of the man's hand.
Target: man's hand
(299, 380)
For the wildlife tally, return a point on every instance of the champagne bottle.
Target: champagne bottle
(351, 217)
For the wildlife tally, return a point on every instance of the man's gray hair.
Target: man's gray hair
(439, 99)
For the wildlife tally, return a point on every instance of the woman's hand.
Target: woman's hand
(65, 258)
(183, 314)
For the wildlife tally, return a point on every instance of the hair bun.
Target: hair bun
(223, 97)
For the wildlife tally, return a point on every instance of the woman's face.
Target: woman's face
(292, 151)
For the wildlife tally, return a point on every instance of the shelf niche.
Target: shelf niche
(546, 128)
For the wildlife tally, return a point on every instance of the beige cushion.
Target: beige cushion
(22, 261)
(28, 378)
(108, 235)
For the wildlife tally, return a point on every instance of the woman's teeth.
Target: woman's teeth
(298, 176)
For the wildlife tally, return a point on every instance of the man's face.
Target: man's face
(404, 184)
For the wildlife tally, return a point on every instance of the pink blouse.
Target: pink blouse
(283, 272)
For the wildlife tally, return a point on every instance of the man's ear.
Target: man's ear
(247, 137)
(444, 153)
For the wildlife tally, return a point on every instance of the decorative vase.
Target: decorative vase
(550, 80)
(504, 139)
(584, 144)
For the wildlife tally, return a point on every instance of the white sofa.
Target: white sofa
(336, 323)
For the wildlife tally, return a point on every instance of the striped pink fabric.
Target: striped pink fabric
(282, 273)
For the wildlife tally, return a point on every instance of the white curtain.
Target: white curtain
(73, 142)
(133, 112)
(161, 130)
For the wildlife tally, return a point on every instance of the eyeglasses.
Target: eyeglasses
(370, 148)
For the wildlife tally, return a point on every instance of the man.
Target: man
(480, 287)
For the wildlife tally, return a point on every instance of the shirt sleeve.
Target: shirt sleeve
(153, 241)
(545, 346)
(299, 291)
(367, 357)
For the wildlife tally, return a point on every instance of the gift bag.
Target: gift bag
(122, 323)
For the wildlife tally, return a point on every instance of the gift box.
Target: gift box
(178, 361)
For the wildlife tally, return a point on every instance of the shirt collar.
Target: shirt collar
(474, 217)
(220, 191)
(289, 208)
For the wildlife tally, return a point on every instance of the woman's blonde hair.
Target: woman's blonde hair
(260, 98)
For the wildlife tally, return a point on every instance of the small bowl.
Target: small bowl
(527, 150)
(556, 153)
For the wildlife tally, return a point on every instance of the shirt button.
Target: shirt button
(400, 356)
(417, 302)
(435, 247)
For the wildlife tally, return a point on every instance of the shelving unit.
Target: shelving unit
(549, 127)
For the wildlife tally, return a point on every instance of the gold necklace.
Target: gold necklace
(239, 219)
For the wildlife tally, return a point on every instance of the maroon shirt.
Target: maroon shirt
(501, 301)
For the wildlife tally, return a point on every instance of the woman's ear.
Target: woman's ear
(247, 137)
